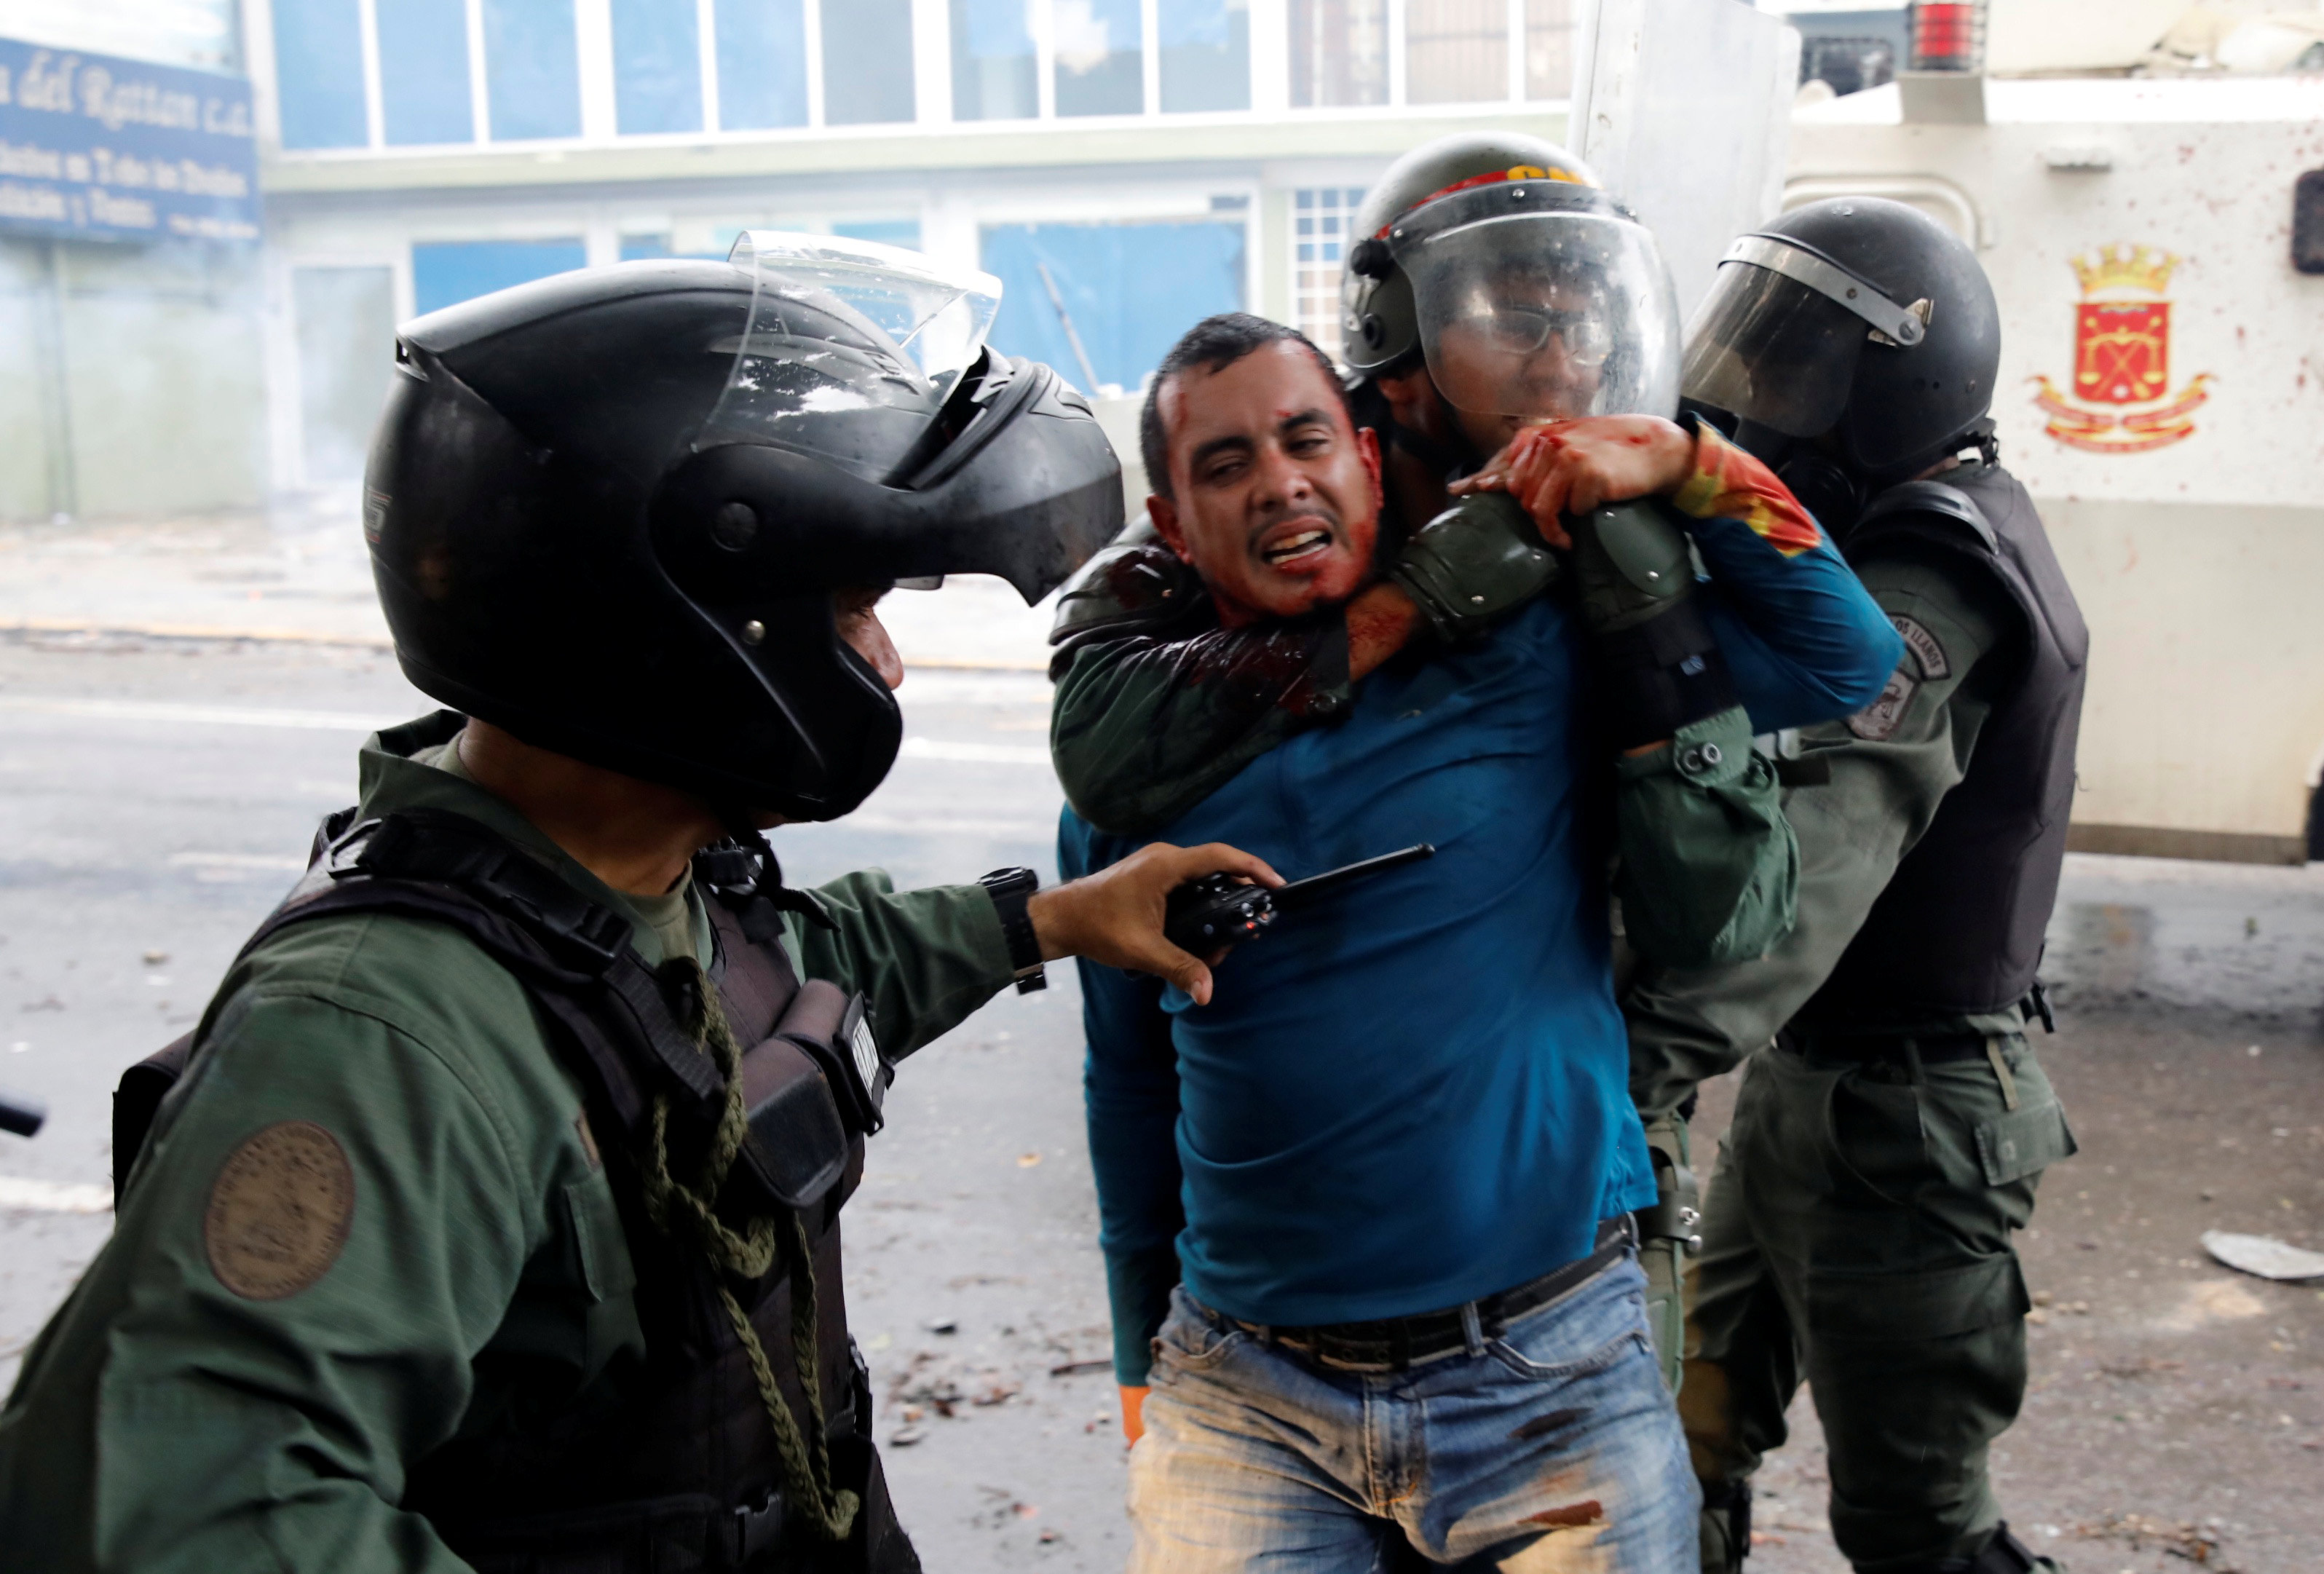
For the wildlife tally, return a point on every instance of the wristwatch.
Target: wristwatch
(1009, 889)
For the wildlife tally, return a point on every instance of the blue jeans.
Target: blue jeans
(1549, 1448)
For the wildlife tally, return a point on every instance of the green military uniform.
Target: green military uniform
(375, 1203)
(1857, 1230)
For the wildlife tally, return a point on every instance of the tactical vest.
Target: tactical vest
(1959, 929)
(666, 1464)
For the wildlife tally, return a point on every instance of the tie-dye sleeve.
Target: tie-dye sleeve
(1729, 482)
(1804, 640)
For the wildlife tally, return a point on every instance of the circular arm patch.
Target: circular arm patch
(278, 1210)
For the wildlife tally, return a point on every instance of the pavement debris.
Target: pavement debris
(2198, 1543)
(2262, 1256)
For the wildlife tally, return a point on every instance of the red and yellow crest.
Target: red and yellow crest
(2122, 356)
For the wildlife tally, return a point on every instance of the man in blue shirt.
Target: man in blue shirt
(1382, 1154)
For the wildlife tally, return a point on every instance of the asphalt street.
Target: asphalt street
(156, 796)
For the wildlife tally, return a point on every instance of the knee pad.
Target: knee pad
(1726, 1526)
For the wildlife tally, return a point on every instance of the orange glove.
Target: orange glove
(1133, 1413)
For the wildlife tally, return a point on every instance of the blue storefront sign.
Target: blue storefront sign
(93, 147)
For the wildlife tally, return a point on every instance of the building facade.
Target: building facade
(1125, 167)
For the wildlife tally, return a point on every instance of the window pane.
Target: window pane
(1549, 48)
(532, 75)
(888, 232)
(447, 272)
(345, 319)
(1320, 235)
(657, 67)
(1338, 52)
(1205, 54)
(318, 73)
(1131, 288)
(867, 61)
(761, 64)
(1101, 69)
(423, 72)
(1456, 51)
(992, 65)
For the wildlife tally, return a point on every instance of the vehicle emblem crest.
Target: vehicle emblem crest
(2122, 356)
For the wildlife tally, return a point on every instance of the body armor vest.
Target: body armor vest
(1957, 932)
(665, 1463)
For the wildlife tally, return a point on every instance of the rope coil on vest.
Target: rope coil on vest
(690, 1211)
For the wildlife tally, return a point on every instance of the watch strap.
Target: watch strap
(1010, 890)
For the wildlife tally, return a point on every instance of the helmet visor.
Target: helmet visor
(1542, 315)
(850, 349)
(1772, 350)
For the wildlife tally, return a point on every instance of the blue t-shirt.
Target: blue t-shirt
(1415, 1093)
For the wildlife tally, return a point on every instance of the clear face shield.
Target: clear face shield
(1777, 339)
(1537, 301)
(852, 348)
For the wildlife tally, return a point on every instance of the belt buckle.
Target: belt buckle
(757, 1526)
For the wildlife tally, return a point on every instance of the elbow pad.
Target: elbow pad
(1474, 565)
(1639, 601)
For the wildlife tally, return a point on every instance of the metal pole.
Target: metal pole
(64, 500)
(1072, 338)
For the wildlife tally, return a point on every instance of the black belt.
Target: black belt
(1393, 1343)
(1933, 1048)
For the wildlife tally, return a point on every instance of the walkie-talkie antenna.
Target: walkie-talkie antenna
(1314, 887)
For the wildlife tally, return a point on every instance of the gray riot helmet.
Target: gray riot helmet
(607, 511)
(1383, 315)
(1856, 316)
(1541, 299)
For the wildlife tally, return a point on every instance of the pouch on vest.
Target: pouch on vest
(834, 1027)
(816, 1082)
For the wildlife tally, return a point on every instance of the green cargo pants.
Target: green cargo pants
(1857, 1234)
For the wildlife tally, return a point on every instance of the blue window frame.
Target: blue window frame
(318, 73)
(1132, 290)
(1101, 61)
(994, 74)
(532, 69)
(657, 67)
(867, 62)
(1205, 49)
(448, 273)
(423, 72)
(761, 64)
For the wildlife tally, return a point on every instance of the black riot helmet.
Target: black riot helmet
(1858, 318)
(607, 511)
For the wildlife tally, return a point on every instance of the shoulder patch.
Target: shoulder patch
(1925, 647)
(280, 1210)
(1875, 721)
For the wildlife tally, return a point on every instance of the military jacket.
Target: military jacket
(1887, 773)
(203, 1402)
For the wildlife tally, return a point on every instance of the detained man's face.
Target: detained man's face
(1539, 354)
(1276, 494)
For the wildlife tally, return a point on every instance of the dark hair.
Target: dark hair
(1214, 344)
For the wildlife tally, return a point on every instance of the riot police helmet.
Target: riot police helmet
(1462, 204)
(1857, 317)
(609, 510)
